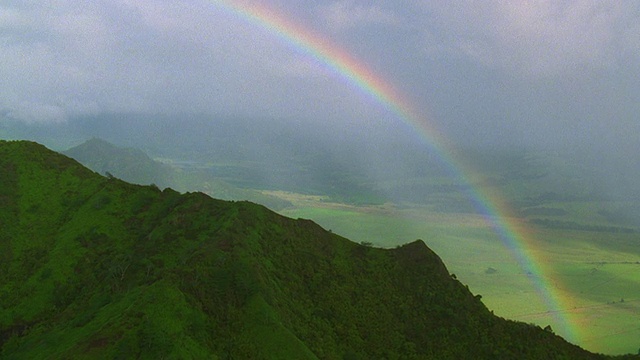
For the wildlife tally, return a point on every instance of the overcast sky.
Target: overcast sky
(540, 72)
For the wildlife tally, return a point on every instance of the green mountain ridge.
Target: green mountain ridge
(93, 267)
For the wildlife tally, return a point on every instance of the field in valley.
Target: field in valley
(593, 276)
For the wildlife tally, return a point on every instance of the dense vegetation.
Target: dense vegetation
(96, 267)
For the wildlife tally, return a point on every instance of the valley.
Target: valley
(585, 243)
(95, 267)
(590, 271)
(590, 258)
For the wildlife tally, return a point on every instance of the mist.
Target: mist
(388, 162)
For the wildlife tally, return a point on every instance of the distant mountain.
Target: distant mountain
(134, 166)
(93, 267)
(129, 164)
(266, 153)
(341, 161)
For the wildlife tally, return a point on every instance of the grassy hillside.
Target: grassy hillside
(94, 267)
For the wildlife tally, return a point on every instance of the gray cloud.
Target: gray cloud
(153, 56)
(536, 72)
(537, 38)
(347, 14)
(36, 113)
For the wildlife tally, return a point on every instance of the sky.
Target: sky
(496, 72)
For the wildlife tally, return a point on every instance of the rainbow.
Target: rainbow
(513, 234)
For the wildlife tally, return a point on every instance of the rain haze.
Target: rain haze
(551, 88)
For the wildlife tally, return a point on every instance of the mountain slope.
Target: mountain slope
(98, 268)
